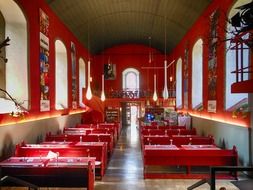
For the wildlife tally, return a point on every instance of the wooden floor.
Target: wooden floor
(124, 171)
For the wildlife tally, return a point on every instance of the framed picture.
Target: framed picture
(110, 71)
(211, 106)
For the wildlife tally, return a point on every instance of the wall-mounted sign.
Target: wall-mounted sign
(211, 107)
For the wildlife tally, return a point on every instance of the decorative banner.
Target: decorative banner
(212, 60)
(44, 63)
(110, 71)
(74, 81)
(185, 79)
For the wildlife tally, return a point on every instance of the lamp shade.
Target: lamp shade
(103, 89)
(88, 92)
(155, 93)
(165, 90)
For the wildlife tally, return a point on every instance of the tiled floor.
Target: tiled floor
(124, 171)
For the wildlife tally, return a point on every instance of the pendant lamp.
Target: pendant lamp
(88, 92)
(103, 89)
(155, 93)
(165, 89)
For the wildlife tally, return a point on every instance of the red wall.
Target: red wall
(131, 56)
(124, 56)
(201, 29)
(136, 56)
(57, 30)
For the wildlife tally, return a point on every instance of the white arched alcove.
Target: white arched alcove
(197, 74)
(179, 83)
(130, 79)
(82, 80)
(61, 76)
(16, 69)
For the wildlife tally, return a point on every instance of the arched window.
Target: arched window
(82, 80)
(179, 83)
(130, 78)
(14, 73)
(232, 99)
(61, 76)
(197, 74)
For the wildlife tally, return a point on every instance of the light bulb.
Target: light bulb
(103, 96)
(155, 96)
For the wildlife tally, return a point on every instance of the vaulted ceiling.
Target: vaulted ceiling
(100, 24)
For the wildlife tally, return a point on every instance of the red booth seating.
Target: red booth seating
(162, 127)
(108, 138)
(176, 140)
(44, 172)
(115, 126)
(168, 132)
(187, 156)
(74, 130)
(79, 149)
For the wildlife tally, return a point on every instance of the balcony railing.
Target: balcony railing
(133, 94)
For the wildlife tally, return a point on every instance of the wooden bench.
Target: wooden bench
(115, 126)
(176, 140)
(162, 127)
(188, 156)
(108, 138)
(78, 149)
(44, 172)
(74, 130)
(168, 132)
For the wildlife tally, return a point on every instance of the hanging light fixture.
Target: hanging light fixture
(88, 92)
(155, 93)
(103, 88)
(165, 90)
(103, 76)
(150, 61)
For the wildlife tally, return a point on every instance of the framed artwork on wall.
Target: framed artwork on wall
(110, 71)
